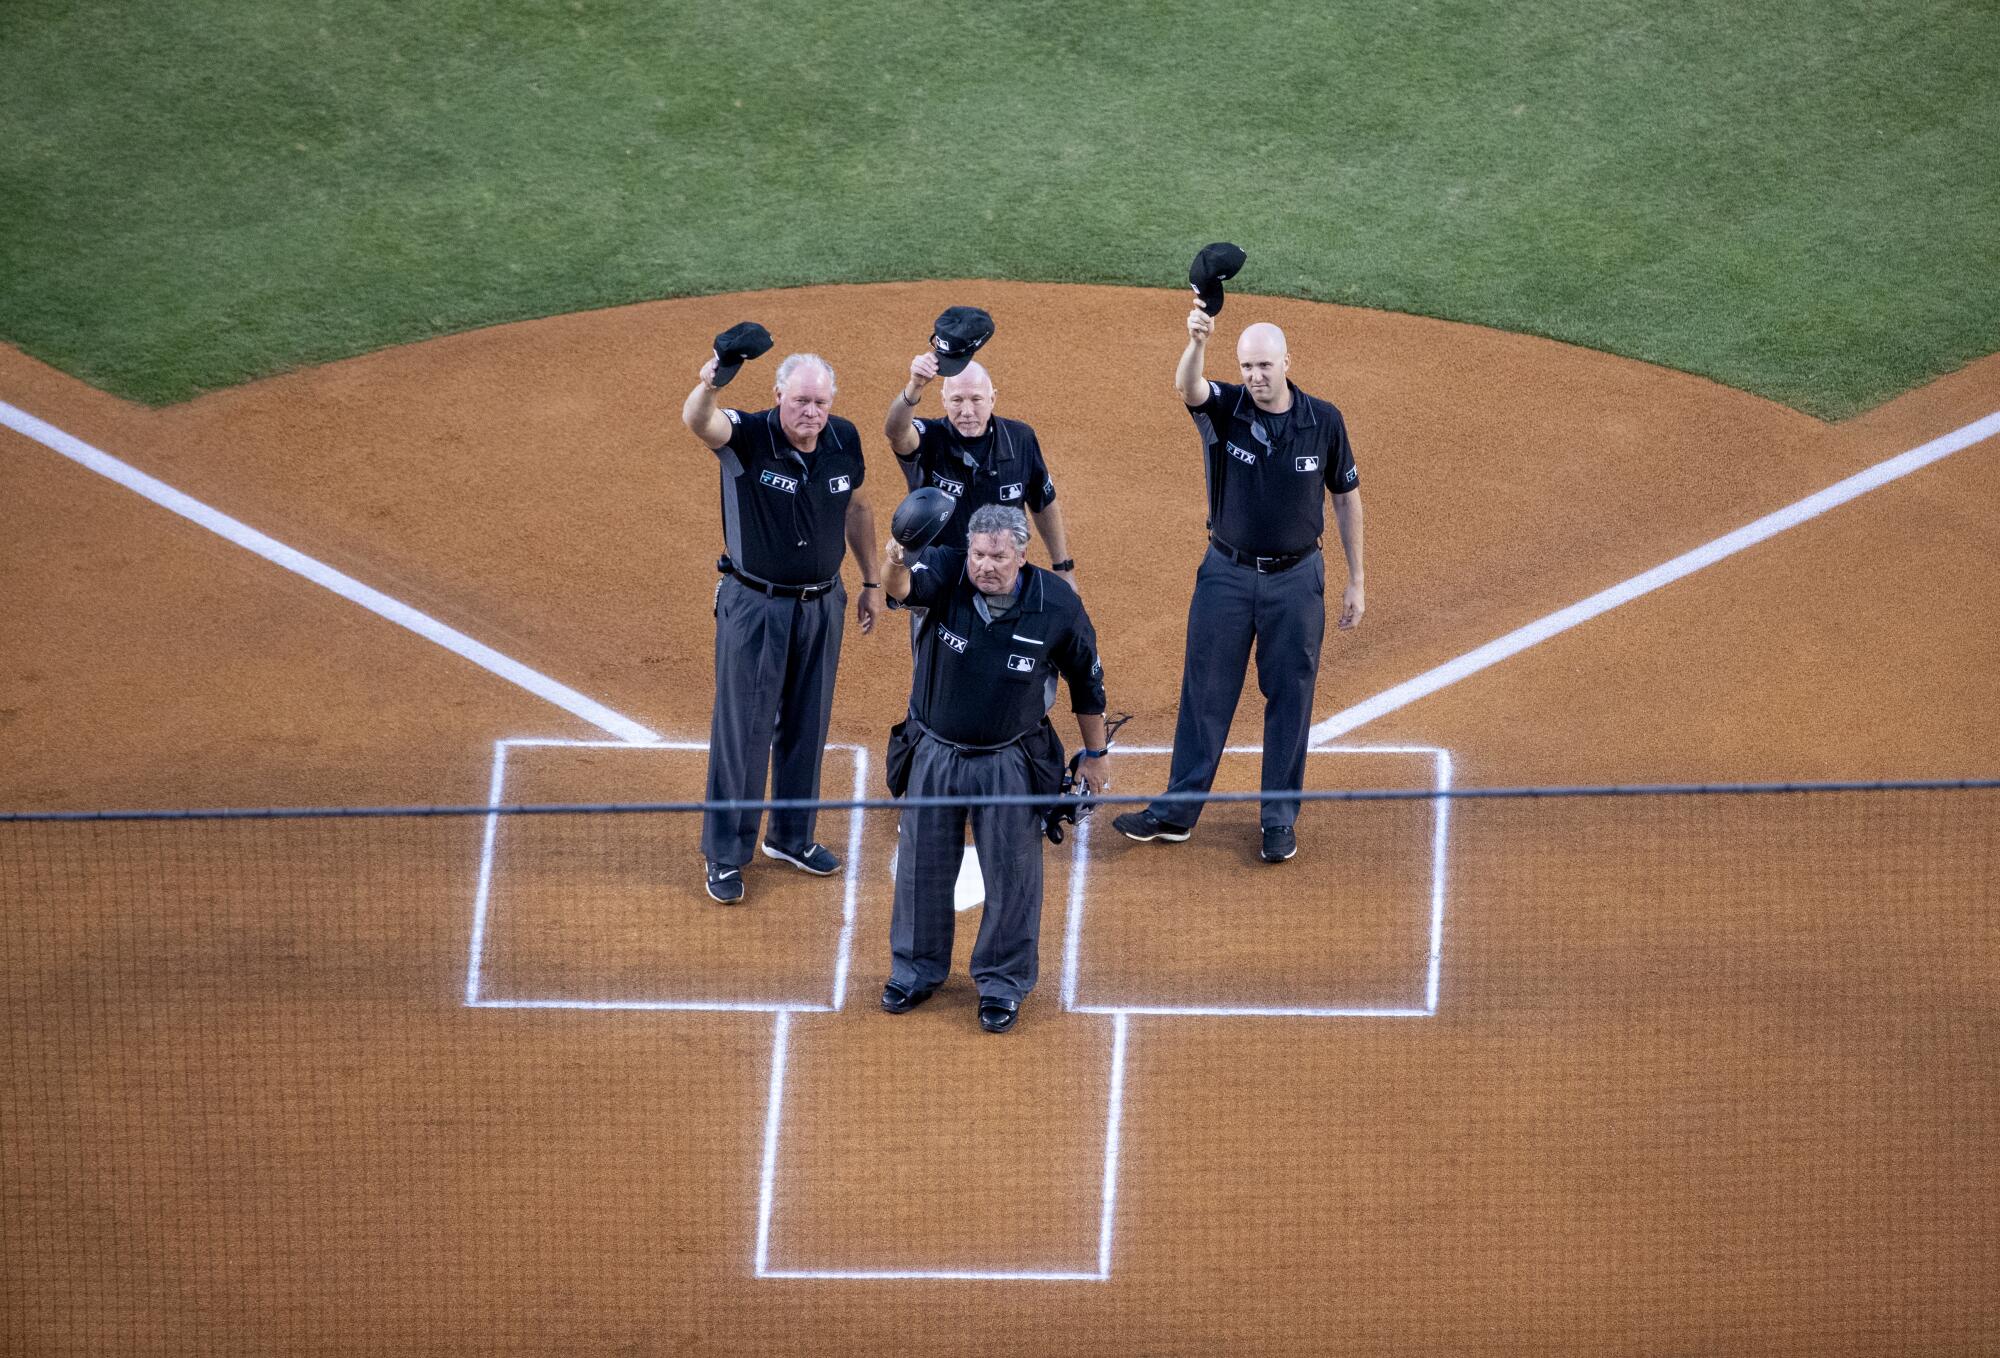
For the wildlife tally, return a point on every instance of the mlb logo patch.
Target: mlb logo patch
(839, 484)
(952, 639)
(1021, 664)
(1011, 492)
(1242, 455)
(955, 489)
(777, 482)
(1352, 476)
(1308, 464)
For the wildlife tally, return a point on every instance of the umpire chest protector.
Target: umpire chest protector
(784, 513)
(1268, 475)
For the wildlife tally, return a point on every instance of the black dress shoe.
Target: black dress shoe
(997, 1015)
(896, 1000)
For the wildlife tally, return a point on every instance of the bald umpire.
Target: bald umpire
(1271, 453)
(995, 634)
(789, 477)
(973, 455)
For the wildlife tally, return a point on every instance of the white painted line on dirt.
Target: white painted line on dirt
(1080, 872)
(774, 1102)
(482, 909)
(1114, 1113)
(1113, 1122)
(1440, 837)
(1792, 515)
(854, 820)
(346, 586)
(477, 952)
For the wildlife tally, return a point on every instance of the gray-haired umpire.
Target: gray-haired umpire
(996, 634)
(789, 477)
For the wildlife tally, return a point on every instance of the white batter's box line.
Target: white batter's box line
(346, 586)
(1441, 777)
(1686, 564)
(1114, 1114)
(482, 896)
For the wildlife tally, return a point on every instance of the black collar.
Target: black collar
(1302, 411)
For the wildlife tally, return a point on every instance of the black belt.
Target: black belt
(728, 567)
(963, 748)
(1263, 565)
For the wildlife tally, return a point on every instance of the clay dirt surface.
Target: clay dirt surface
(1704, 1076)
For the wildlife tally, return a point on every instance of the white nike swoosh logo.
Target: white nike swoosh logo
(1019, 637)
(730, 872)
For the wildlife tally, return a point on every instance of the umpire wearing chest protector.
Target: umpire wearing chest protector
(996, 634)
(789, 477)
(1271, 454)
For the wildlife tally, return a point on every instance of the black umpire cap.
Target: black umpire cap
(956, 337)
(1215, 263)
(744, 340)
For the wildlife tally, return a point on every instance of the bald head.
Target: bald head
(1262, 356)
(974, 377)
(968, 400)
(1263, 337)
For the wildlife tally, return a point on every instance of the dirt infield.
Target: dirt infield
(1705, 1115)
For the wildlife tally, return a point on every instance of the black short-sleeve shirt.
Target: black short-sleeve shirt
(981, 683)
(784, 513)
(1267, 476)
(1002, 466)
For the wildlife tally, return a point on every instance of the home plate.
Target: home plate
(971, 888)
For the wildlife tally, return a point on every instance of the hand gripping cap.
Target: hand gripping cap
(921, 517)
(956, 337)
(1214, 264)
(744, 340)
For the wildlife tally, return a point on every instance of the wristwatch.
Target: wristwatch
(1066, 564)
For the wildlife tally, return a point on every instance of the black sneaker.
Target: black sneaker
(1279, 843)
(814, 858)
(1144, 826)
(725, 884)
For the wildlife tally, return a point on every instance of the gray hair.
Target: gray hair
(794, 362)
(999, 519)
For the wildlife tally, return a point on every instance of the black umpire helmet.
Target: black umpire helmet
(921, 517)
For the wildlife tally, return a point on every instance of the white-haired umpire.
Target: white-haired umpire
(995, 636)
(789, 475)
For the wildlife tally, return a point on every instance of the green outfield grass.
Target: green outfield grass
(1802, 199)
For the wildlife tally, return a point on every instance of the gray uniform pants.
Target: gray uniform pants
(929, 845)
(774, 667)
(1285, 613)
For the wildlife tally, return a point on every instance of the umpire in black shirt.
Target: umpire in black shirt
(995, 635)
(1271, 453)
(973, 455)
(789, 477)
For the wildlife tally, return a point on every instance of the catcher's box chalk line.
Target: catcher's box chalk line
(346, 586)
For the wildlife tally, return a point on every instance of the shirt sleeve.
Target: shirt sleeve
(912, 464)
(1211, 417)
(1341, 473)
(932, 574)
(741, 427)
(1075, 658)
(1041, 491)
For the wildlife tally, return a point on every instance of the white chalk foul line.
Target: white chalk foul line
(1493, 652)
(346, 586)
